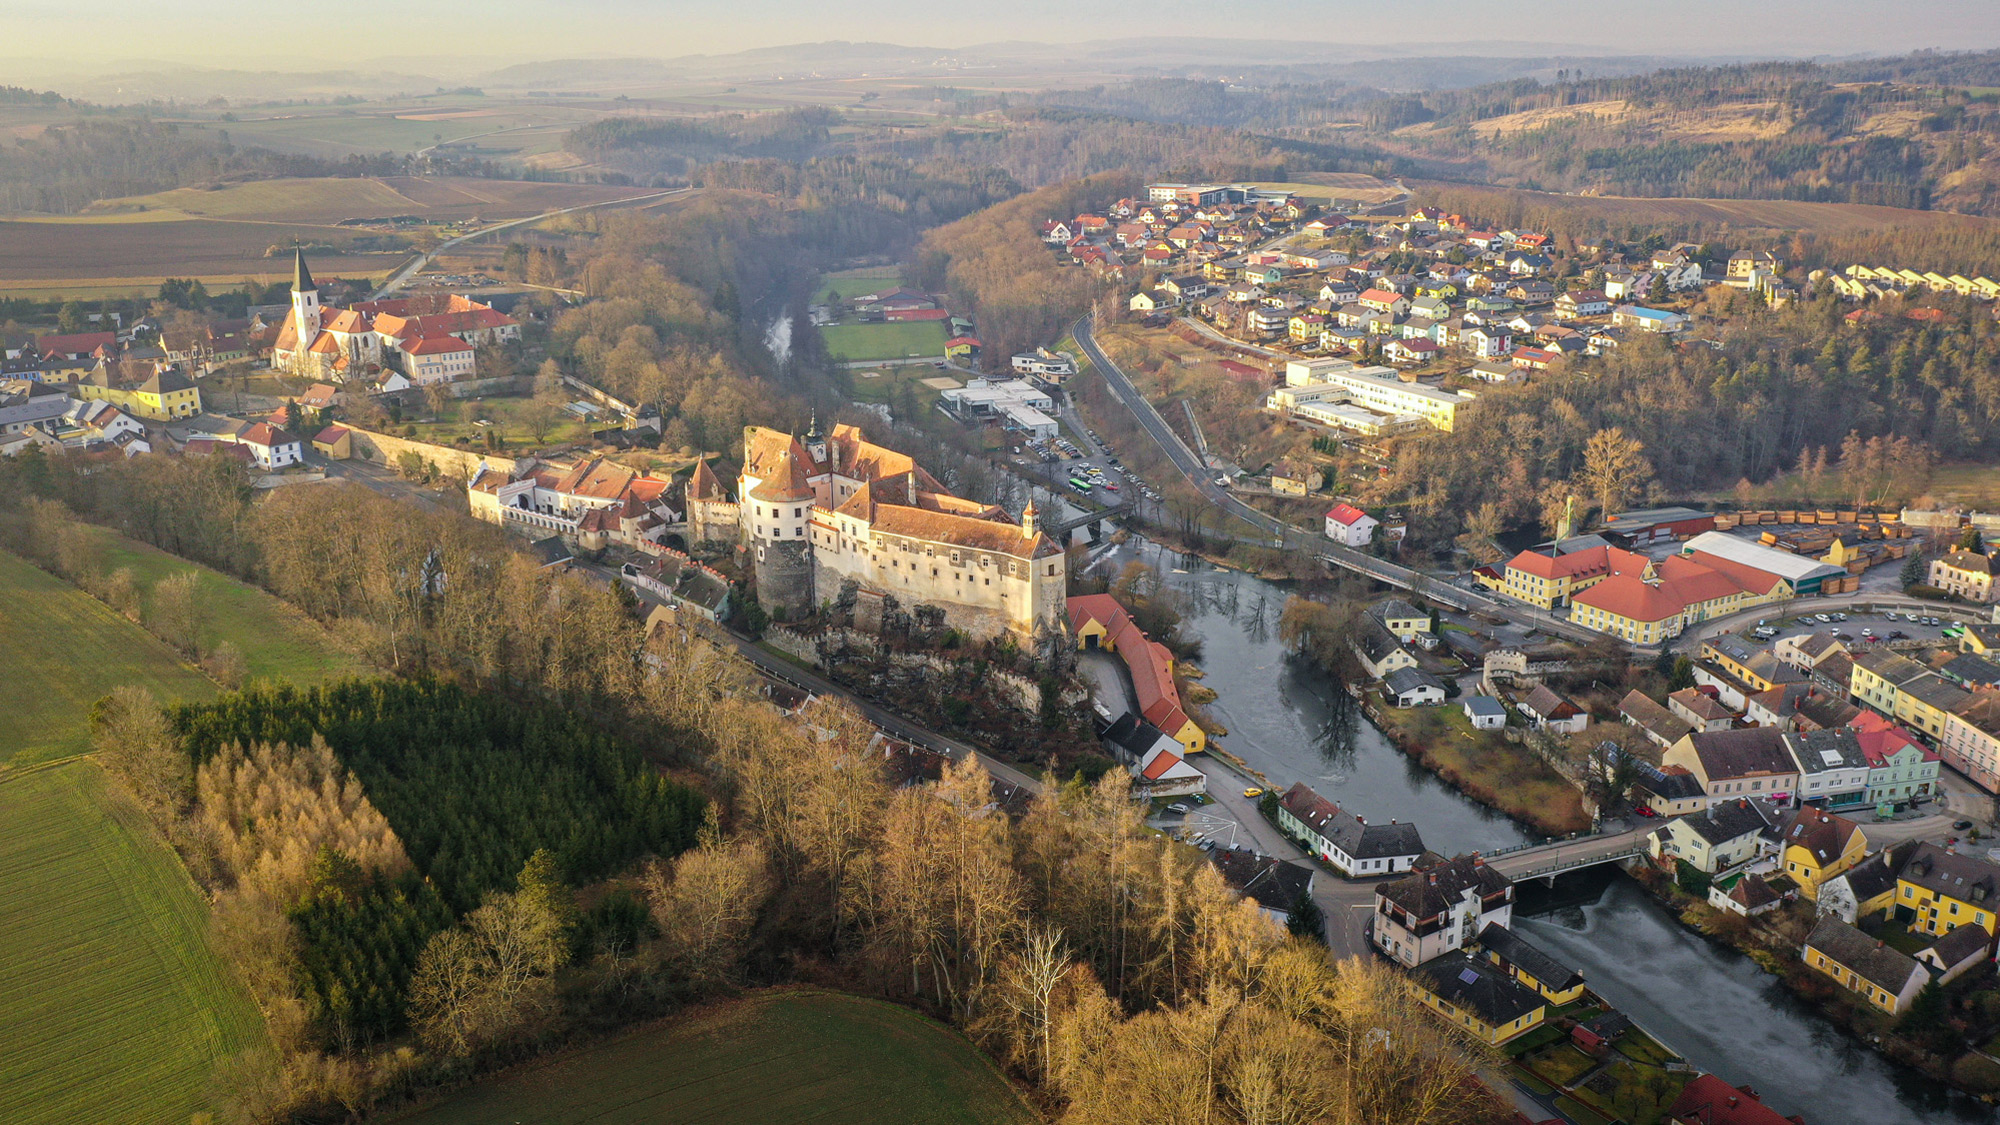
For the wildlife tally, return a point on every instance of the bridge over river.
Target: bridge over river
(1546, 861)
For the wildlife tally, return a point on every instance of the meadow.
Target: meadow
(508, 413)
(1738, 214)
(114, 1009)
(856, 283)
(65, 650)
(869, 342)
(778, 1056)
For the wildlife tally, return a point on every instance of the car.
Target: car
(1840, 617)
(1961, 825)
(1822, 619)
(1899, 635)
(1845, 638)
(1111, 486)
(1644, 810)
(1253, 791)
(1867, 632)
(1177, 807)
(1890, 617)
(1932, 622)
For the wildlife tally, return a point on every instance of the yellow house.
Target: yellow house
(1939, 890)
(1480, 996)
(1887, 978)
(1556, 982)
(1841, 552)
(1401, 618)
(1818, 846)
(1906, 691)
(1097, 621)
(165, 396)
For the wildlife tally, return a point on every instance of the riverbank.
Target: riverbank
(1504, 776)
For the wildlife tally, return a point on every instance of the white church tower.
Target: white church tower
(305, 301)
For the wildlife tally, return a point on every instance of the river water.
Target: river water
(1717, 1008)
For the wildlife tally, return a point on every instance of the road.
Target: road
(1549, 859)
(417, 264)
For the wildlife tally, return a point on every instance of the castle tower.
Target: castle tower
(1028, 520)
(305, 301)
(815, 442)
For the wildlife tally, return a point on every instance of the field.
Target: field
(327, 201)
(114, 1009)
(276, 640)
(786, 1056)
(856, 283)
(1738, 214)
(65, 650)
(508, 415)
(869, 342)
(880, 384)
(1324, 186)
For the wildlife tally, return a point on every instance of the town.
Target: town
(1048, 598)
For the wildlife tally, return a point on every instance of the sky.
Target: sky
(232, 35)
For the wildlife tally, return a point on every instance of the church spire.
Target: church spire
(302, 278)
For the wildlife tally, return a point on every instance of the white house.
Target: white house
(1486, 712)
(270, 447)
(1349, 843)
(1350, 526)
(1413, 687)
(1444, 907)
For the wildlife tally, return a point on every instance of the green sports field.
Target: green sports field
(857, 283)
(113, 1008)
(64, 650)
(784, 1056)
(871, 342)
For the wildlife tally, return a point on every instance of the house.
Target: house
(1906, 691)
(1660, 724)
(1887, 978)
(1384, 301)
(1437, 909)
(1480, 996)
(1273, 884)
(1964, 574)
(1833, 768)
(335, 443)
(1098, 621)
(1900, 769)
(1378, 649)
(1709, 1100)
(1648, 320)
(1485, 712)
(1668, 790)
(1868, 889)
(1938, 890)
(1406, 621)
(1412, 687)
(1815, 845)
(270, 447)
(319, 396)
(1954, 954)
(1557, 982)
(1581, 303)
(1350, 526)
(1346, 841)
(1747, 898)
(1550, 712)
(1714, 840)
(1731, 764)
(1155, 760)
(1410, 351)
(1295, 478)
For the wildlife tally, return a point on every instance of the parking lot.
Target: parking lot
(1093, 474)
(1862, 628)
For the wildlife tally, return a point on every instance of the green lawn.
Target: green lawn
(277, 641)
(114, 1009)
(862, 342)
(64, 650)
(857, 283)
(774, 1057)
(509, 417)
(873, 384)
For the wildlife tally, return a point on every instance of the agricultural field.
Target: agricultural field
(328, 201)
(66, 650)
(1738, 214)
(857, 283)
(777, 1056)
(1322, 187)
(115, 1009)
(870, 342)
(470, 126)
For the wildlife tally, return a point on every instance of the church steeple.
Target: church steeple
(305, 301)
(302, 278)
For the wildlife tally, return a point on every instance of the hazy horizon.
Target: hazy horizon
(393, 36)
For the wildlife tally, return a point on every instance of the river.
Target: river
(1718, 1008)
(1726, 1015)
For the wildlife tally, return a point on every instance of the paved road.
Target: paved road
(415, 265)
(1567, 854)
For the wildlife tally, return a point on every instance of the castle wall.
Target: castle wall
(784, 574)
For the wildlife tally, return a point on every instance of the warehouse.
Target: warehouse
(1804, 575)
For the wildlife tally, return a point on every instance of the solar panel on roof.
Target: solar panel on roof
(1467, 976)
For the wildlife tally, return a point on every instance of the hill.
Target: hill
(776, 1056)
(115, 1009)
(331, 200)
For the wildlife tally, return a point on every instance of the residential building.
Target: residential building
(1833, 767)
(1401, 618)
(1581, 303)
(1964, 574)
(1550, 712)
(1412, 687)
(1661, 725)
(1868, 889)
(1701, 708)
(1558, 983)
(1097, 621)
(270, 447)
(1732, 764)
(1748, 898)
(1481, 996)
(1709, 1100)
(1273, 884)
(1815, 845)
(1441, 908)
(1669, 791)
(1378, 649)
(1346, 841)
(588, 498)
(1720, 837)
(1350, 526)
(1971, 742)
(1045, 364)
(164, 395)
(1939, 889)
(1900, 769)
(1887, 978)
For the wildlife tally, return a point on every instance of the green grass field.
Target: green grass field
(868, 342)
(276, 640)
(788, 1056)
(66, 649)
(114, 1009)
(856, 283)
(508, 415)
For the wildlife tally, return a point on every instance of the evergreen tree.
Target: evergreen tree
(1913, 570)
(1306, 919)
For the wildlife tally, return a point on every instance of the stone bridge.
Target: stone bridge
(1546, 861)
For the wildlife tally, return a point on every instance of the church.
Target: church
(820, 512)
(429, 339)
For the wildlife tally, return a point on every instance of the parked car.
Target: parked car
(1961, 825)
(1823, 619)
(1253, 791)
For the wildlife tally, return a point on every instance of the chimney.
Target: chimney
(1433, 878)
(1731, 1103)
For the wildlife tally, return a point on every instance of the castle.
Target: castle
(428, 339)
(818, 513)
